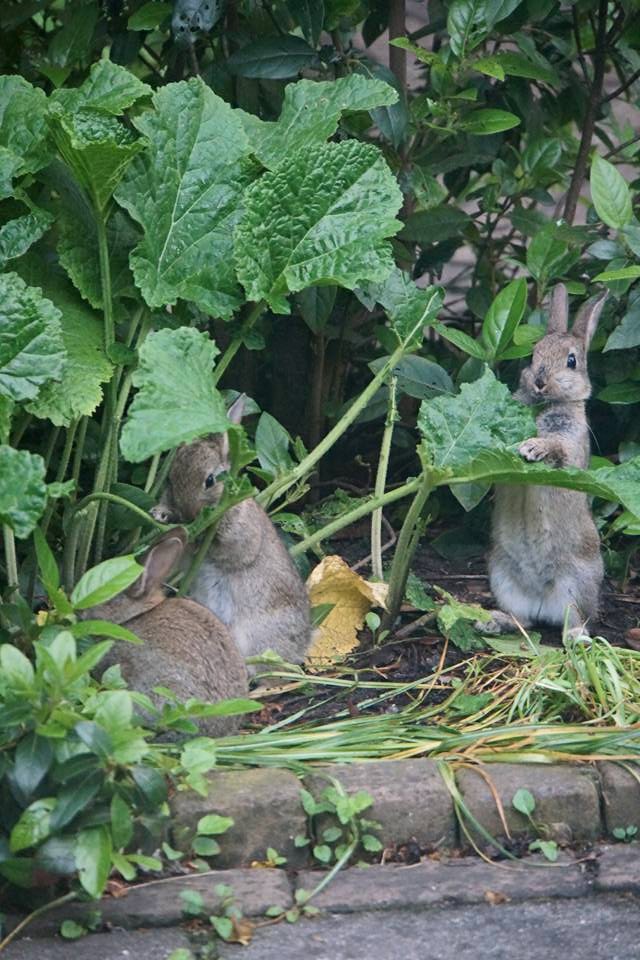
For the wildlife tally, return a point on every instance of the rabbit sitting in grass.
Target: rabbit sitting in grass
(545, 561)
(185, 647)
(247, 578)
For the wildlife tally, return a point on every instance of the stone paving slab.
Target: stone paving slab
(467, 880)
(619, 870)
(410, 799)
(118, 945)
(266, 809)
(567, 800)
(620, 794)
(159, 903)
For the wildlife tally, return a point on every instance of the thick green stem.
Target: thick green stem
(77, 457)
(61, 472)
(381, 482)
(151, 474)
(256, 311)
(365, 508)
(282, 484)
(53, 439)
(405, 549)
(120, 502)
(10, 558)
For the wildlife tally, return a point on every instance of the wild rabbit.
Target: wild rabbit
(247, 578)
(545, 556)
(186, 648)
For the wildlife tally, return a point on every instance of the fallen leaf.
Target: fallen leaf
(332, 581)
(242, 931)
(116, 888)
(494, 897)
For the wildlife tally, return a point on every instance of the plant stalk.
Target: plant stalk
(256, 311)
(381, 481)
(282, 484)
(10, 558)
(403, 555)
(365, 508)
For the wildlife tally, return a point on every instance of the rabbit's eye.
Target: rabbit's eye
(209, 482)
(571, 361)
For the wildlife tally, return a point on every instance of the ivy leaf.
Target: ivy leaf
(31, 347)
(185, 193)
(310, 114)
(23, 492)
(273, 58)
(610, 194)
(109, 88)
(322, 218)
(482, 416)
(97, 147)
(79, 391)
(16, 236)
(176, 400)
(23, 130)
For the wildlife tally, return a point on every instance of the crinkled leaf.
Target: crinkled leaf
(6, 413)
(23, 492)
(482, 416)
(16, 236)
(23, 130)
(109, 88)
(176, 399)
(78, 253)
(275, 58)
(79, 391)
(410, 308)
(185, 193)
(31, 347)
(322, 218)
(619, 484)
(610, 193)
(97, 147)
(310, 114)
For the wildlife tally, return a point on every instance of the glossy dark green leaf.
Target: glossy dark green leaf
(610, 193)
(72, 800)
(32, 760)
(485, 122)
(273, 58)
(105, 581)
(95, 738)
(151, 784)
(33, 825)
(434, 225)
(309, 15)
(621, 393)
(626, 334)
(503, 316)
(461, 340)
(93, 859)
(121, 822)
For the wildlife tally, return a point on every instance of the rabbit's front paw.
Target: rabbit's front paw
(534, 449)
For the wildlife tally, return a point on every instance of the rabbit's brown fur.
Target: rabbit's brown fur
(545, 558)
(185, 647)
(247, 578)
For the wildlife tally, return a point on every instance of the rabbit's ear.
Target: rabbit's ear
(586, 321)
(235, 412)
(159, 562)
(559, 312)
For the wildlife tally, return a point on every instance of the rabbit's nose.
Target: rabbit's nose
(539, 381)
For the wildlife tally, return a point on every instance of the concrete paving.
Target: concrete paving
(605, 927)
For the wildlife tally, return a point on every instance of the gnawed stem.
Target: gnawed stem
(405, 548)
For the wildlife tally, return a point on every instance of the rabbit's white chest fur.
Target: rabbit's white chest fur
(212, 588)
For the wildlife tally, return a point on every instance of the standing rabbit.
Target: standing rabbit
(186, 648)
(545, 556)
(247, 578)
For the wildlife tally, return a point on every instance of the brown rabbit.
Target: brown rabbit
(247, 578)
(186, 648)
(545, 556)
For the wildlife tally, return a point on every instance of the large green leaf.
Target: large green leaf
(97, 147)
(322, 218)
(482, 416)
(627, 334)
(309, 15)
(616, 484)
(185, 193)
(410, 308)
(23, 492)
(78, 253)
(310, 114)
(176, 399)
(93, 858)
(105, 581)
(485, 122)
(273, 58)
(549, 255)
(16, 236)
(109, 88)
(79, 391)
(31, 347)
(435, 225)
(610, 194)
(23, 130)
